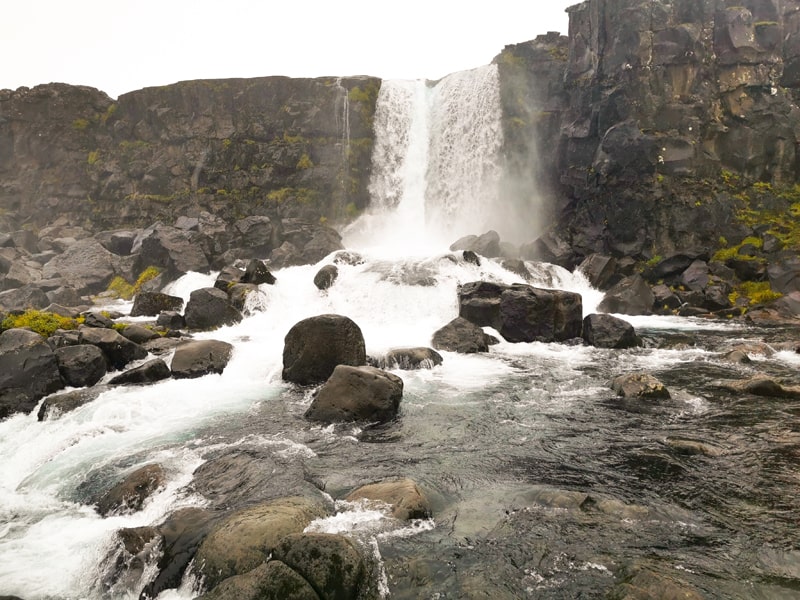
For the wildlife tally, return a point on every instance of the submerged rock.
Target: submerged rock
(403, 495)
(357, 394)
(314, 347)
(196, 358)
(760, 385)
(56, 405)
(639, 385)
(460, 335)
(326, 276)
(409, 359)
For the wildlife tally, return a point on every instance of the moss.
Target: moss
(43, 323)
(119, 327)
(756, 292)
(654, 260)
(293, 139)
(226, 143)
(112, 108)
(304, 162)
(126, 290)
(80, 124)
(300, 195)
(93, 157)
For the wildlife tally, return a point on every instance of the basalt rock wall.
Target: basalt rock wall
(271, 146)
(654, 119)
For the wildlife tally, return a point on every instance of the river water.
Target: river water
(543, 484)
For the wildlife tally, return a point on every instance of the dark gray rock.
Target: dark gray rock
(138, 334)
(271, 579)
(517, 267)
(81, 366)
(129, 495)
(172, 250)
(600, 270)
(487, 244)
(227, 277)
(256, 235)
(209, 308)
(409, 359)
(149, 372)
(56, 405)
(170, 319)
(196, 358)
(118, 350)
(696, 276)
(405, 497)
(257, 273)
(664, 299)
(357, 394)
(89, 265)
(150, 304)
(29, 296)
(28, 371)
(462, 336)
(326, 276)
(784, 274)
(631, 296)
(313, 347)
(238, 294)
(66, 296)
(96, 319)
(607, 331)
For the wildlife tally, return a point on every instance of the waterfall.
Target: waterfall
(436, 162)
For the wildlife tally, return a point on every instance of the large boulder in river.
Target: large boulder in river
(357, 394)
(82, 365)
(151, 304)
(462, 336)
(149, 372)
(118, 350)
(248, 537)
(209, 308)
(409, 359)
(639, 385)
(28, 371)
(196, 358)
(129, 495)
(521, 313)
(326, 276)
(631, 296)
(608, 331)
(314, 347)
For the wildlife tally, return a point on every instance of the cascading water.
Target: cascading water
(542, 484)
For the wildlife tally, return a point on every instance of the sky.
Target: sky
(123, 45)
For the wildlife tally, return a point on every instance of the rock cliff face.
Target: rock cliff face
(273, 146)
(670, 118)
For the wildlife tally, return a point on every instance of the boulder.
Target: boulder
(330, 563)
(462, 336)
(56, 405)
(227, 277)
(521, 313)
(550, 247)
(200, 357)
(517, 267)
(118, 350)
(81, 366)
(172, 250)
(129, 495)
(150, 304)
(608, 331)
(29, 296)
(784, 274)
(664, 299)
(631, 296)
(641, 583)
(28, 371)
(471, 257)
(270, 580)
(600, 270)
(403, 495)
(760, 385)
(149, 372)
(639, 385)
(247, 537)
(487, 244)
(170, 319)
(313, 347)
(89, 265)
(138, 334)
(209, 308)
(409, 359)
(357, 394)
(65, 295)
(696, 276)
(324, 242)
(326, 276)
(258, 273)
(238, 294)
(96, 319)
(255, 235)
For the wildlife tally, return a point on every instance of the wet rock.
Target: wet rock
(692, 447)
(460, 335)
(150, 304)
(471, 257)
(247, 538)
(760, 385)
(56, 405)
(487, 244)
(409, 359)
(82, 365)
(631, 296)
(313, 347)
(331, 563)
(600, 270)
(326, 276)
(784, 274)
(227, 277)
(118, 350)
(517, 267)
(271, 579)
(28, 371)
(138, 334)
(521, 313)
(645, 584)
(238, 294)
(285, 255)
(348, 257)
(607, 331)
(639, 385)
(357, 394)
(550, 247)
(129, 495)
(256, 235)
(170, 319)
(150, 372)
(196, 358)
(737, 357)
(407, 501)
(209, 308)
(664, 299)
(696, 276)
(258, 273)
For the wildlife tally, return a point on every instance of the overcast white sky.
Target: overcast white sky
(123, 45)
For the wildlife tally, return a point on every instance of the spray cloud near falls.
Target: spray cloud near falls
(438, 167)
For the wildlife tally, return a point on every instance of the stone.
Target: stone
(129, 495)
(197, 358)
(149, 372)
(600, 270)
(57, 405)
(357, 394)
(28, 371)
(408, 359)
(170, 319)
(696, 276)
(403, 495)
(330, 563)
(81, 366)
(151, 304)
(238, 294)
(172, 250)
(784, 274)
(258, 273)
(642, 386)
(227, 277)
(313, 347)
(326, 276)
(761, 385)
(631, 296)
(29, 296)
(256, 235)
(271, 580)
(608, 331)
(517, 267)
(89, 265)
(96, 319)
(247, 537)
(209, 308)
(462, 336)
(118, 350)
(138, 334)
